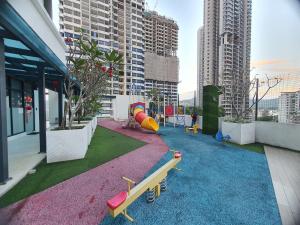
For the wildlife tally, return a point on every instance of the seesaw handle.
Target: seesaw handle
(129, 183)
(128, 180)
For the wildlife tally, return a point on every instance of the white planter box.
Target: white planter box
(240, 133)
(89, 131)
(94, 124)
(64, 145)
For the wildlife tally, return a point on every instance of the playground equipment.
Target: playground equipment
(154, 184)
(220, 137)
(139, 115)
(194, 129)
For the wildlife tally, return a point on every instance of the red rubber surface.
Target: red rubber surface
(82, 200)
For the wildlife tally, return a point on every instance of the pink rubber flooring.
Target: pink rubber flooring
(82, 200)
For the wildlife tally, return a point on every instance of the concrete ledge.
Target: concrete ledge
(278, 134)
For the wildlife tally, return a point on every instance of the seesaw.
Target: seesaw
(153, 184)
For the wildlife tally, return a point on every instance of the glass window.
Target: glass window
(8, 117)
(17, 109)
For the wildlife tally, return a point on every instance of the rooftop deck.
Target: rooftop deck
(285, 171)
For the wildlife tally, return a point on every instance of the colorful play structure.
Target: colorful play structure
(153, 184)
(137, 115)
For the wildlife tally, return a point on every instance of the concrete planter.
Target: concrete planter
(240, 133)
(64, 145)
(94, 124)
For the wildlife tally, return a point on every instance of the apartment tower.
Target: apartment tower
(289, 107)
(227, 47)
(200, 66)
(161, 61)
(113, 24)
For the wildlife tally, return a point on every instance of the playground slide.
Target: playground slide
(145, 121)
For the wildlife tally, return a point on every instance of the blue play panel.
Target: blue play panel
(219, 185)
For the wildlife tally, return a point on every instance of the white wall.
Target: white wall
(53, 107)
(278, 134)
(185, 120)
(34, 13)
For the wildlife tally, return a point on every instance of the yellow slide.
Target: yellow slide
(145, 121)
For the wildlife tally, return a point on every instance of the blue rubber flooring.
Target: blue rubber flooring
(219, 185)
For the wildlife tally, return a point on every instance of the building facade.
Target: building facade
(112, 24)
(227, 48)
(161, 61)
(200, 66)
(289, 107)
(32, 58)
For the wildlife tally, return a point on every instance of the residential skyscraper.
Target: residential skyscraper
(161, 62)
(211, 42)
(289, 107)
(200, 66)
(113, 24)
(227, 47)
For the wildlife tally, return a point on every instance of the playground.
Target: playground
(174, 176)
(218, 184)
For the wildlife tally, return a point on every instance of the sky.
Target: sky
(275, 37)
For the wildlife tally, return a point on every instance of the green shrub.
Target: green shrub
(211, 109)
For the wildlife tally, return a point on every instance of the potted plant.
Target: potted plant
(89, 71)
(239, 126)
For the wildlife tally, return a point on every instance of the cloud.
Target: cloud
(262, 63)
(275, 66)
(287, 69)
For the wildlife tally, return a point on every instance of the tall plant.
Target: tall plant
(89, 71)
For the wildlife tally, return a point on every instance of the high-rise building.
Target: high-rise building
(200, 66)
(161, 62)
(113, 24)
(289, 107)
(227, 43)
(211, 42)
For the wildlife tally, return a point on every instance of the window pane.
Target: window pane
(8, 118)
(17, 111)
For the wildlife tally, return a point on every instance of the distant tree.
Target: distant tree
(187, 110)
(240, 92)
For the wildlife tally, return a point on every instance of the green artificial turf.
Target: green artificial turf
(256, 147)
(105, 146)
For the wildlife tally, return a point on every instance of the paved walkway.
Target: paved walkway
(82, 200)
(285, 171)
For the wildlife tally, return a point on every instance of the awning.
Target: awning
(26, 54)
